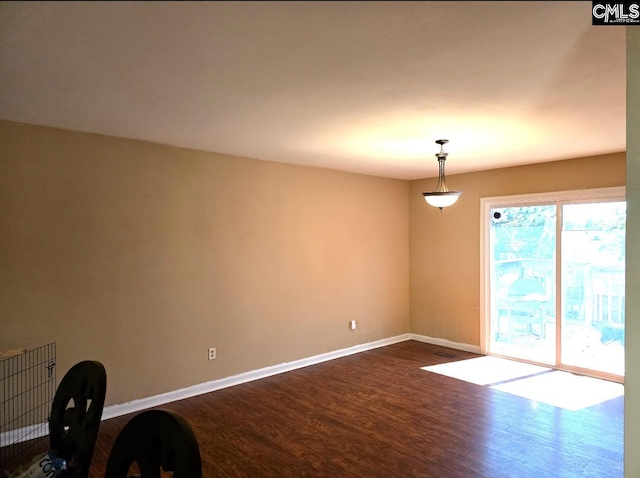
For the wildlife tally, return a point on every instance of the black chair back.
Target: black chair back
(156, 440)
(73, 427)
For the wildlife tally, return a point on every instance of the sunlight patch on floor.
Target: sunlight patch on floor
(540, 384)
(486, 370)
(564, 390)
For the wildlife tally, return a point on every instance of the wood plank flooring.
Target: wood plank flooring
(376, 414)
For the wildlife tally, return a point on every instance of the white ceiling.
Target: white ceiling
(364, 87)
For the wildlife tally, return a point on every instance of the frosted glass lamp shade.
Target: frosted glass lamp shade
(442, 199)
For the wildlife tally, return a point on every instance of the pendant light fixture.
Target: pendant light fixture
(442, 197)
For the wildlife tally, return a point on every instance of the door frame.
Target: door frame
(562, 197)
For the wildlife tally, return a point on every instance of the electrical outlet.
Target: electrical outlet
(212, 353)
(353, 324)
(358, 324)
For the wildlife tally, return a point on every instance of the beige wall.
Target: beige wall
(632, 339)
(445, 247)
(142, 256)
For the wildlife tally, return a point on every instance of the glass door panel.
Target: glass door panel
(523, 282)
(593, 286)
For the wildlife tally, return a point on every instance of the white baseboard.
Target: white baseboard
(446, 343)
(112, 411)
(24, 434)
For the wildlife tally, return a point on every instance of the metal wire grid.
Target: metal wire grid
(27, 388)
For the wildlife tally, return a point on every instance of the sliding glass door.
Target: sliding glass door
(593, 293)
(554, 281)
(523, 274)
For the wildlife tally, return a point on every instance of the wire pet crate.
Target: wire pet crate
(27, 388)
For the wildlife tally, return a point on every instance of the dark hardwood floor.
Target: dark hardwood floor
(376, 414)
